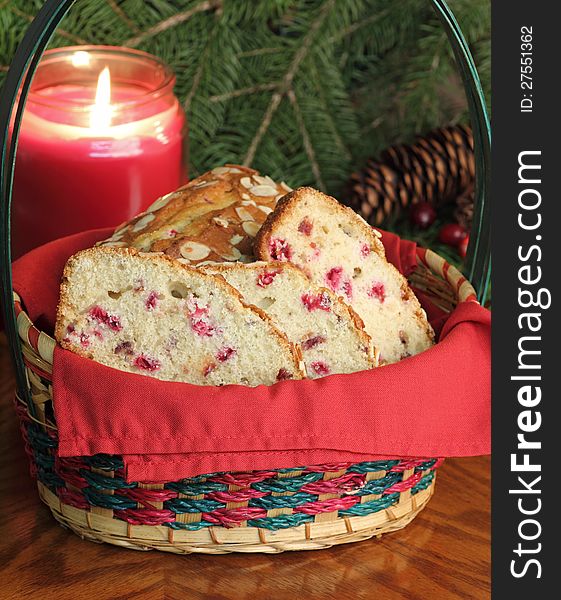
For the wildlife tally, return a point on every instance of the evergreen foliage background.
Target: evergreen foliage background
(304, 90)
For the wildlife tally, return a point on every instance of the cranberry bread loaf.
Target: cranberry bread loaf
(213, 218)
(336, 248)
(149, 314)
(329, 333)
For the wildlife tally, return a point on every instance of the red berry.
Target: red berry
(266, 278)
(320, 368)
(378, 291)
(313, 342)
(422, 215)
(283, 375)
(452, 234)
(280, 249)
(320, 301)
(305, 226)
(463, 246)
(146, 363)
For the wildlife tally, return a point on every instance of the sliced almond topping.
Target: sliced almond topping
(113, 244)
(246, 196)
(160, 202)
(184, 261)
(377, 233)
(249, 202)
(206, 263)
(221, 221)
(194, 250)
(244, 214)
(264, 180)
(266, 209)
(277, 198)
(251, 228)
(244, 258)
(141, 223)
(204, 184)
(225, 170)
(285, 187)
(263, 190)
(234, 254)
(236, 239)
(246, 182)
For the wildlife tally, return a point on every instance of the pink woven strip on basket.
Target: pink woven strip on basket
(344, 484)
(328, 468)
(143, 516)
(331, 505)
(234, 516)
(407, 484)
(242, 479)
(73, 498)
(144, 496)
(405, 465)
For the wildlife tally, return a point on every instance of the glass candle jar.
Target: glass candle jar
(102, 137)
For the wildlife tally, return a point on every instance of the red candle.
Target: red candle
(102, 137)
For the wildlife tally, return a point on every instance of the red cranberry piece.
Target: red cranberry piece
(347, 288)
(102, 316)
(146, 363)
(320, 368)
(70, 329)
(283, 375)
(313, 342)
(378, 291)
(280, 249)
(320, 301)
(172, 233)
(364, 250)
(333, 278)
(225, 354)
(84, 340)
(202, 328)
(124, 348)
(266, 278)
(152, 301)
(305, 226)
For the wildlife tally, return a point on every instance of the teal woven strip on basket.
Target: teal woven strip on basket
(360, 510)
(189, 488)
(189, 526)
(101, 482)
(104, 462)
(50, 479)
(424, 483)
(378, 486)
(115, 501)
(288, 484)
(272, 502)
(281, 522)
(39, 439)
(186, 505)
(370, 467)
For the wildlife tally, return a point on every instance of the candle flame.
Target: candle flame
(100, 118)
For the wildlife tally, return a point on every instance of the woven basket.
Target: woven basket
(261, 511)
(300, 508)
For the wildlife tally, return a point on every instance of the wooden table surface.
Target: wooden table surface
(443, 554)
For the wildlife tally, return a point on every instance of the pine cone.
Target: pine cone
(437, 168)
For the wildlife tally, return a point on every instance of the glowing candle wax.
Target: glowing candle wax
(102, 137)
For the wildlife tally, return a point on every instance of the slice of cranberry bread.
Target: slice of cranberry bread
(152, 315)
(338, 249)
(329, 332)
(213, 218)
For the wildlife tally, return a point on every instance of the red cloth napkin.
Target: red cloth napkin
(434, 404)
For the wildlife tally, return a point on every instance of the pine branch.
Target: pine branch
(174, 21)
(124, 18)
(286, 82)
(61, 32)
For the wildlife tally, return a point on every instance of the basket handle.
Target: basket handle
(18, 82)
